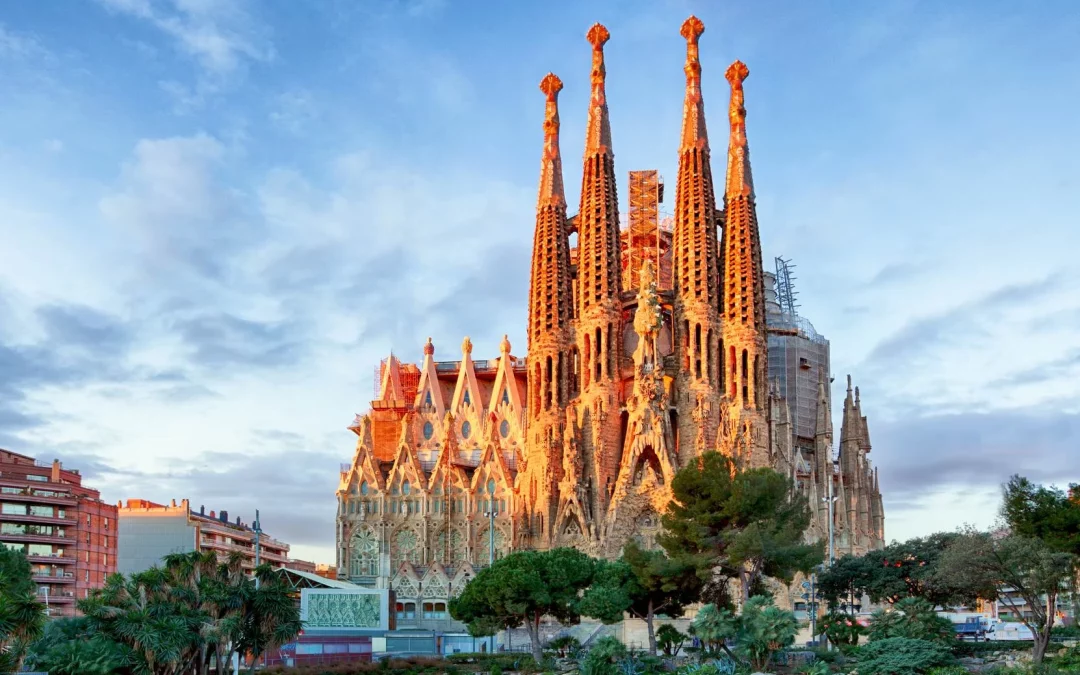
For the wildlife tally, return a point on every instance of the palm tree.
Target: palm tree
(22, 617)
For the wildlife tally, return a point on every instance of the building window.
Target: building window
(405, 488)
(467, 400)
(40, 479)
(106, 525)
(406, 610)
(86, 576)
(429, 431)
(46, 511)
(504, 428)
(363, 487)
(491, 486)
(13, 509)
(466, 429)
(434, 610)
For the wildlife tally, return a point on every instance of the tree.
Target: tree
(848, 578)
(911, 618)
(765, 629)
(670, 639)
(522, 588)
(1008, 566)
(644, 583)
(842, 630)
(22, 617)
(900, 570)
(747, 522)
(178, 618)
(761, 629)
(70, 647)
(1045, 513)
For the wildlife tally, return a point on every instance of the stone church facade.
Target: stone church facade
(458, 462)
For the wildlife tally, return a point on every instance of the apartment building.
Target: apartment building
(149, 531)
(66, 531)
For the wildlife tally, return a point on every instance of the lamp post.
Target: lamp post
(257, 529)
(491, 545)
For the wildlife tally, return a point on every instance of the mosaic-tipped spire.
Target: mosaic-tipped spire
(551, 178)
(598, 134)
(694, 134)
(598, 215)
(739, 180)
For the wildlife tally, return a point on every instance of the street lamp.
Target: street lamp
(491, 513)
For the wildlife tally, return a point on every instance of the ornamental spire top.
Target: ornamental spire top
(551, 175)
(598, 134)
(739, 181)
(694, 134)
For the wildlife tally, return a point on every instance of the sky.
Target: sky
(216, 216)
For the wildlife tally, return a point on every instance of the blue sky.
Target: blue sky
(217, 215)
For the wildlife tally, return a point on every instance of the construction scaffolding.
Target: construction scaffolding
(785, 287)
(647, 236)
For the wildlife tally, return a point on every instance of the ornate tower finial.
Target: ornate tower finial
(504, 346)
(429, 348)
(693, 132)
(551, 181)
(598, 135)
(466, 346)
(739, 180)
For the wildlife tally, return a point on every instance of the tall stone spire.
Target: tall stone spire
(599, 306)
(744, 284)
(696, 276)
(549, 322)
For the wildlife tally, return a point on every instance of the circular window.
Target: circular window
(363, 488)
(429, 431)
(504, 428)
(491, 486)
(405, 488)
(466, 429)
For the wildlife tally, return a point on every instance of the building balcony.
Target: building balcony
(26, 496)
(57, 597)
(67, 578)
(36, 538)
(55, 558)
(40, 520)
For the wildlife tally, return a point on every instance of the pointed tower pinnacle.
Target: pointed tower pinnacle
(598, 216)
(694, 134)
(551, 179)
(550, 312)
(598, 134)
(739, 180)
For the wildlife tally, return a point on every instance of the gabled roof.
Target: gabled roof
(299, 580)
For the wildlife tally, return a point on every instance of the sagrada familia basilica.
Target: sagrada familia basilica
(634, 367)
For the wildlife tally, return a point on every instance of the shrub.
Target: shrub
(913, 618)
(964, 648)
(670, 639)
(903, 656)
(948, 670)
(566, 645)
(602, 657)
(496, 670)
(842, 630)
(765, 629)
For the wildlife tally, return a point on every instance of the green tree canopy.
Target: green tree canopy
(22, 617)
(1045, 513)
(911, 618)
(748, 523)
(176, 619)
(900, 570)
(644, 583)
(523, 587)
(1005, 567)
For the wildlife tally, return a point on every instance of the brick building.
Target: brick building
(66, 531)
(149, 531)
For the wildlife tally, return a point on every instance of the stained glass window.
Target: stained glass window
(429, 431)
(363, 487)
(466, 429)
(504, 428)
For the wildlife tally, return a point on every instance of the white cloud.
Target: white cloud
(220, 34)
(17, 46)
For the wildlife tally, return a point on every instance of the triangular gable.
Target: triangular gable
(506, 390)
(406, 582)
(436, 582)
(390, 387)
(493, 464)
(429, 394)
(467, 394)
(407, 467)
(363, 468)
(461, 577)
(445, 470)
